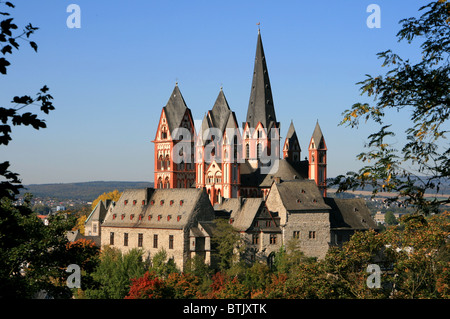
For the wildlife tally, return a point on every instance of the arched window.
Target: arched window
(167, 161)
(166, 183)
(160, 162)
(160, 183)
(235, 141)
(247, 151)
(258, 151)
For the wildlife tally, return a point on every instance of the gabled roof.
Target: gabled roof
(175, 109)
(349, 213)
(99, 211)
(260, 106)
(220, 117)
(317, 135)
(167, 208)
(242, 211)
(300, 195)
(291, 136)
(281, 169)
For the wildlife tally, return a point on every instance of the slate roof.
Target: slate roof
(300, 195)
(284, 170)
(260, 106)
(175, 109)
(350, 213)
(241, 212)
(317, 135)
(291, 136)
(99, 211)
(220, 117)
(160, 208)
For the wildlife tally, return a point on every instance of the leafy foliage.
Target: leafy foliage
(421, 91)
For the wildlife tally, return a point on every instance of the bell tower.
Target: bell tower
(318, 160)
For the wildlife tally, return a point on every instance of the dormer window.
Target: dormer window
(114, 216)
(149, 217)
(181, 202)
(152, 202)
(143, 202)
(131, 216)
(169, 217)
(161, 202)
(125, 201)
(178, 218)
(171, 202)
(134, 202)
(123, 216)
(159, 217)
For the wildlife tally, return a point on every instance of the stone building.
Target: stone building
(235, 173)
(303, 215)
(176, 220)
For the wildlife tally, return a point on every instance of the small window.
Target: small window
(181, 202)
(140, 239)
(149, 217)
(170, 241)
(171, 202)
(111, 238)
(152, 202)
(161, 202)
(268, 223)
(125, 201)
(143, 202)
(296, 234)
(114, 216)
(231, 220)
(169, 217)
(178, 218)
(140, 216)
(273, 239)
(155, 241)
(312, 235)
(125, 239)
(255, 239)
(131, 216)
(159, 217)
(123, 216)
(134, 202)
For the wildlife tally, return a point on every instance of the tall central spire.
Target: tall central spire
(260, 106)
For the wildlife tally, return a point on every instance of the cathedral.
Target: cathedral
(243, 174)
(229, 161)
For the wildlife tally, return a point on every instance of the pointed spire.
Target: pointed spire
(317, 135)
(260, 107)
(175, 108)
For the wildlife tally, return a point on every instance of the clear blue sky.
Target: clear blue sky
(111, 77)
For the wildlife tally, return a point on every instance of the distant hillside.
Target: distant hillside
(87, 191)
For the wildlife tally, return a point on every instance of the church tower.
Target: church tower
(318, 160)
(291, 147)
(218, 150)
(174, 142)
(261, 130)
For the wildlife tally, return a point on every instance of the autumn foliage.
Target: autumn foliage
(414, 257)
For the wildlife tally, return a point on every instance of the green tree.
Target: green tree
(162, 266)
(114, 272)
(421, 91)
(33, 256)
(390, 219)
(227, 243)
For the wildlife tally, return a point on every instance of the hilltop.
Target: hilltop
(86, 191)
